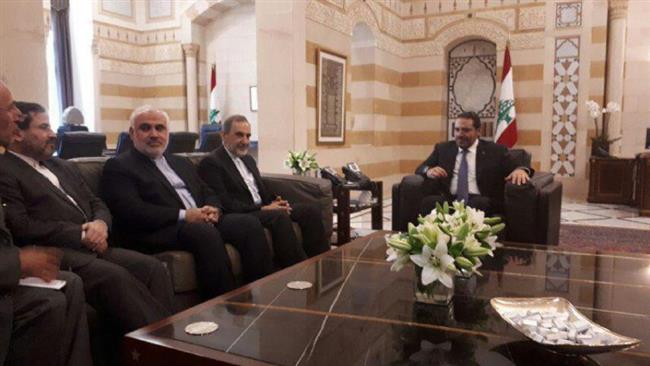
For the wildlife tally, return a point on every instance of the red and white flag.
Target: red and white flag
(213, 114)
(506, 131)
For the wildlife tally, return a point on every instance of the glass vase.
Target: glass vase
(434, 293)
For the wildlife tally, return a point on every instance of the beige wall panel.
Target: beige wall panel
(529, 89)
(599, 34)
(387, 107)
(529, 137)
(311, 96)
(523, 57)
(528, 105)
(424, 93)
(427, 63)
(362, 55)
(116, 126)
(531, 121)
(388, 60)
(430, 108)
(527, 72)
(310, 74)
(108, 77)
(364, 72)
(424, 78)
(120, 102)
(597, 69)
(363, 106)
(166, 103)
(417, 123)
(598, 52)
(165, 79)
(123, 114)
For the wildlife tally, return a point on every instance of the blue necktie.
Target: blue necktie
(462, 191)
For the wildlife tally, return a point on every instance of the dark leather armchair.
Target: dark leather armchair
(182, 142)
(124, 143)
(532, 211)
(81, 144)
(209, 141)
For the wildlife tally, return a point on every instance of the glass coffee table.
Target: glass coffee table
(358, 312)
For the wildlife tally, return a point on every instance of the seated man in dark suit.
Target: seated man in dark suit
(469, 169)
(37, 326)
(161, 204)
(48, 203)
(233, 174)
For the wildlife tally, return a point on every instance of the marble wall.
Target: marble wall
(231, 45)
(22, 49)
(636, 94)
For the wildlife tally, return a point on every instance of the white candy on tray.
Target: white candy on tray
(552, 327)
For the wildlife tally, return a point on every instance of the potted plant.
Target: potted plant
(444, 244)
(601, 141)
(301, 162)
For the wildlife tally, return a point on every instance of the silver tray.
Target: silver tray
(504, 305)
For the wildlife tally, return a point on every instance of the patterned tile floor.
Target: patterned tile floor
(575, 213)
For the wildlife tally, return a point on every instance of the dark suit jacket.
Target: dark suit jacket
(9, 276)
(492, 166)
(220, 173)
(39, 213)
(145, 205)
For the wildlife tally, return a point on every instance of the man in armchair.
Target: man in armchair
(469, 169)
(233, 174)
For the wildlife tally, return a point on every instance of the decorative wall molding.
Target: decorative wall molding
(136, 38)
(532, 18)
(430, 35)
(566, 74)
(568, 15)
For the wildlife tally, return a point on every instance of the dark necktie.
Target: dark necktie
(462, 191)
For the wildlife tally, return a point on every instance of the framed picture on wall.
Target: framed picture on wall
(330, 98)
(253, 98)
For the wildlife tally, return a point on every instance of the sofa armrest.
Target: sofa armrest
(295, 188)
(529, 213)
(407, 196)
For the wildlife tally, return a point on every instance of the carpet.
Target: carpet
(600, 238)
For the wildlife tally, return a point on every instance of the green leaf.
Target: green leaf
(496, 228)
(456, 249)
(492, 220)
(445, 208)
(464, 230)
(476, 252)
(464, 262)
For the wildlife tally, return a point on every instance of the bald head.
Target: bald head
(9, 115)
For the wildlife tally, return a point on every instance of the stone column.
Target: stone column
(617, 23)
(191, 50)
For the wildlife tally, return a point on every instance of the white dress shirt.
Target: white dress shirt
(471, 170)
(177, 183)
(248, 178)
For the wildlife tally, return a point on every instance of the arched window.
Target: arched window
(472, 83)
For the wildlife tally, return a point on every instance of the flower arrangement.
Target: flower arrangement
(445, 244)
(301, 162)
(601, 140)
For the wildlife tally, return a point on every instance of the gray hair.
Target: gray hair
(146, 109)
(72, 116)
(227, 124)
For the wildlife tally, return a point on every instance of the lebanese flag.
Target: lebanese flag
(214, 108)
(506, 132)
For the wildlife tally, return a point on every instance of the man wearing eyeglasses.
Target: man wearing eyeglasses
(469, 169)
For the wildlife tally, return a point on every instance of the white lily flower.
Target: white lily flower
(398, 257)
(435, 264)
(613, 107)
(492, 241)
